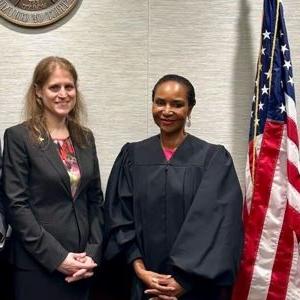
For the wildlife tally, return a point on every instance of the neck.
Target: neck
(57, 127)
(172, 140)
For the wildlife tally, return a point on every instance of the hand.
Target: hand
(74, 262)
(160, 285)
(159, 289)
(82, 273)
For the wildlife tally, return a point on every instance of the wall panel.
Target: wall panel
(120, 49)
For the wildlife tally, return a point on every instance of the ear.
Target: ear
(38, 91)
(190, 110)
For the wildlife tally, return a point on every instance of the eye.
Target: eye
(178, 104)
(69, 87)
(54, 88)
(159, 102)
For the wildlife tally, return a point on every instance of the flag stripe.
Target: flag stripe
(282, 265)
(293, 155)
(293, 197)
(294, 280)
(292, 131)
(294, 177)
(275, 209)
(262, 188)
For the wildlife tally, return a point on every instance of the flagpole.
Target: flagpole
(256, 103)
(274, 44)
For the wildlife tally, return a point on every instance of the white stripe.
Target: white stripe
(293, 197)
(290, 108)
(293, 290)
(258, 143)
(248, 177)
(262, 271)
(293, 153)
(248, 186)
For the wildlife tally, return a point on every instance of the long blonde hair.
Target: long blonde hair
(34, 110)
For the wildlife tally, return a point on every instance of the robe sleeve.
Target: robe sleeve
(119, 219)
(208, 246)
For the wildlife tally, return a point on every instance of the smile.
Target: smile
(167, 122)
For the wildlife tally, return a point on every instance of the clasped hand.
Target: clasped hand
(159, 286)
(77, 266)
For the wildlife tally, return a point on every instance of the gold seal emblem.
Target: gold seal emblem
(35, 13)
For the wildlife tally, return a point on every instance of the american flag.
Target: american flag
(270, 267)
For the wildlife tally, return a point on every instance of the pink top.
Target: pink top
(168, 153)
(67, 154)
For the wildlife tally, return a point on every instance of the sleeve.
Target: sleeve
(119, 216)
(16, 172)
(209, 244)
(95, 214)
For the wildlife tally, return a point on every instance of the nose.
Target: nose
(167, 110)
(62, 92)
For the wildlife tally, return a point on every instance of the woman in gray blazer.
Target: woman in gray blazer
(52, 187)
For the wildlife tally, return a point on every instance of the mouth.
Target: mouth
(62, 102)
(166, 122)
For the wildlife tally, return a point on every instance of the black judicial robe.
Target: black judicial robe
(182, 217)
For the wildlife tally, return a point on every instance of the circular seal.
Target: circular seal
(35, 13)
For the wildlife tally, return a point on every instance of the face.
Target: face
(58, 94)
(170, 107)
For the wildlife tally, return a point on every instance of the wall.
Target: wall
(121, 47)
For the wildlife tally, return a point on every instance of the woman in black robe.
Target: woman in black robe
(173, 206)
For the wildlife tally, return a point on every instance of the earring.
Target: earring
(188, 121)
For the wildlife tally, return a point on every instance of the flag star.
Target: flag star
(256, 122)
(281, 33)
(291, 80)
(260, 67)
(284, 48)
(282, 108)
(264, 90)
(261, 106)
(268, 74)
(263, 51)
(281, 84)
(287, 64)
(266, 34)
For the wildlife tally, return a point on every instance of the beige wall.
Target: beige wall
(121, 47)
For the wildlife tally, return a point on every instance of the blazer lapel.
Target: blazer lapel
(52, 156)
(82, 160)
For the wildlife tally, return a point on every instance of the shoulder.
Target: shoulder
(18, 129)
(17, 132)
(130, 150)
(207, 150)
(146, 143)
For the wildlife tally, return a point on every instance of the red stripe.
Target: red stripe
(293, 175)
(292, 131)
(283, 262)
(294, 220)
(264, 173)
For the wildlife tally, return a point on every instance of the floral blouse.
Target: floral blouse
(67, 154)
